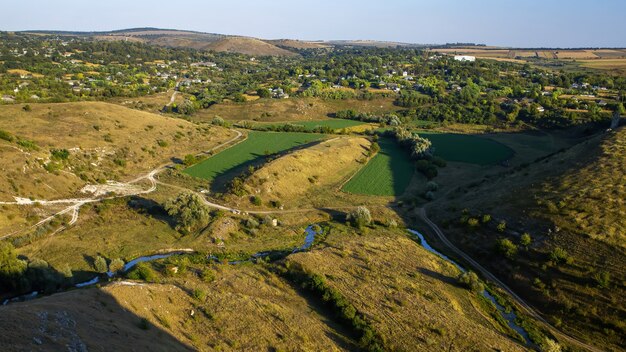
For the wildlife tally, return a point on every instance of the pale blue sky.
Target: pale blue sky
(527, 23)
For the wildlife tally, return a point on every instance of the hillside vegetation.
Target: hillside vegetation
(571, 205)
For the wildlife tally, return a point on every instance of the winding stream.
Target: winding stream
(509, 317)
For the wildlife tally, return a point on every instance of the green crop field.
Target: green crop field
(334, 123)
(256, 146)
(387, 174)
(468, 148)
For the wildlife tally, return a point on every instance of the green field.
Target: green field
(255, 147)
(387, 174)
(334, 123)
(468, 148)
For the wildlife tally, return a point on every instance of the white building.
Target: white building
(464, 58)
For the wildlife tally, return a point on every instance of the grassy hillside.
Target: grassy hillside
(572, 206)
(294, 110)
(245, 308)
(103, 142)
(303, 177)
(410, 296)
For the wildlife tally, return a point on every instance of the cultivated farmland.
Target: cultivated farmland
(387, 174)
(255, 147)
(468, 148)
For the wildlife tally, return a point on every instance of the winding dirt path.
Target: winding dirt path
(521, 303)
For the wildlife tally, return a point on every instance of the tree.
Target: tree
(100, 264)
(470, 280)
(359, 217)
(189, 160)
(506, 247)
(116, 265)
(11, 268)
(189, 211)
(525, 240)
(263, 93)
(551, 346)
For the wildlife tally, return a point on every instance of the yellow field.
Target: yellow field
(23, 72)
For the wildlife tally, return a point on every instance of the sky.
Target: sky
(519, 23)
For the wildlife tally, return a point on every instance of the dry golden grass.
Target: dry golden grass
(293, 109)
(16, 71)
(408, 294)
(300, 177)
(106, 142)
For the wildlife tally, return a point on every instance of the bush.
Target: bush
(501, 226)
(559, 255)
(116, 265)
(438, 161)
(472, 222)
(359, 217)
(506, 247)
(27, 108)
(256, 200)
(427, 168)
(189, 159)
(486, 218)
(199, 294)
(143, 272)
(100, 264)
(7, 136)
(603, 279)
(471, 281)
(218, 121)
(525, 240)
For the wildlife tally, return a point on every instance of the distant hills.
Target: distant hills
(220, 42)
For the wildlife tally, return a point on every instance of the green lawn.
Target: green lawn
(334, 123)
(468, 148)
(387, 174)
(254, 148)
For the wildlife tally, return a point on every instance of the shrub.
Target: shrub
(603, 279)
(471, 281)
(256, 200)
(199, 294)
(359, 217)
(27, 108)
(427, 168)
(7, 136)
(472, 222)
(189, 211)
(525, 240)
(438, 161)
(116, 265)
(559, 255)
(550, 345)
(486, 218)
(207, 275)
(143, 272)
(218, 121)
(189, 159)
(162, 143)
(501, 226)
(432, 186)
(506, 247)
(100, 264)
(429, 195)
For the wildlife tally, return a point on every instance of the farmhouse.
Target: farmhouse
(464, 58)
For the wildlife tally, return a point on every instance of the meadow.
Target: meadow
(468, 148)
(256, 146)
(335, 124)
(387, 174)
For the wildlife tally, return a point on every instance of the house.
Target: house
(464, 58)
(393, 86)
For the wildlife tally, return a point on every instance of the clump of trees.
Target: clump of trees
(387, 119)
(359, 217)
(189, 211)
(470, 280)
(418, 146)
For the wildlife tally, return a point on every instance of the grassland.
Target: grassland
(572, 205)
(303, 177)
(388, 173)
(468, 148)
(292, 109)
(409, 295)
(334, 124)
(257, 145)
